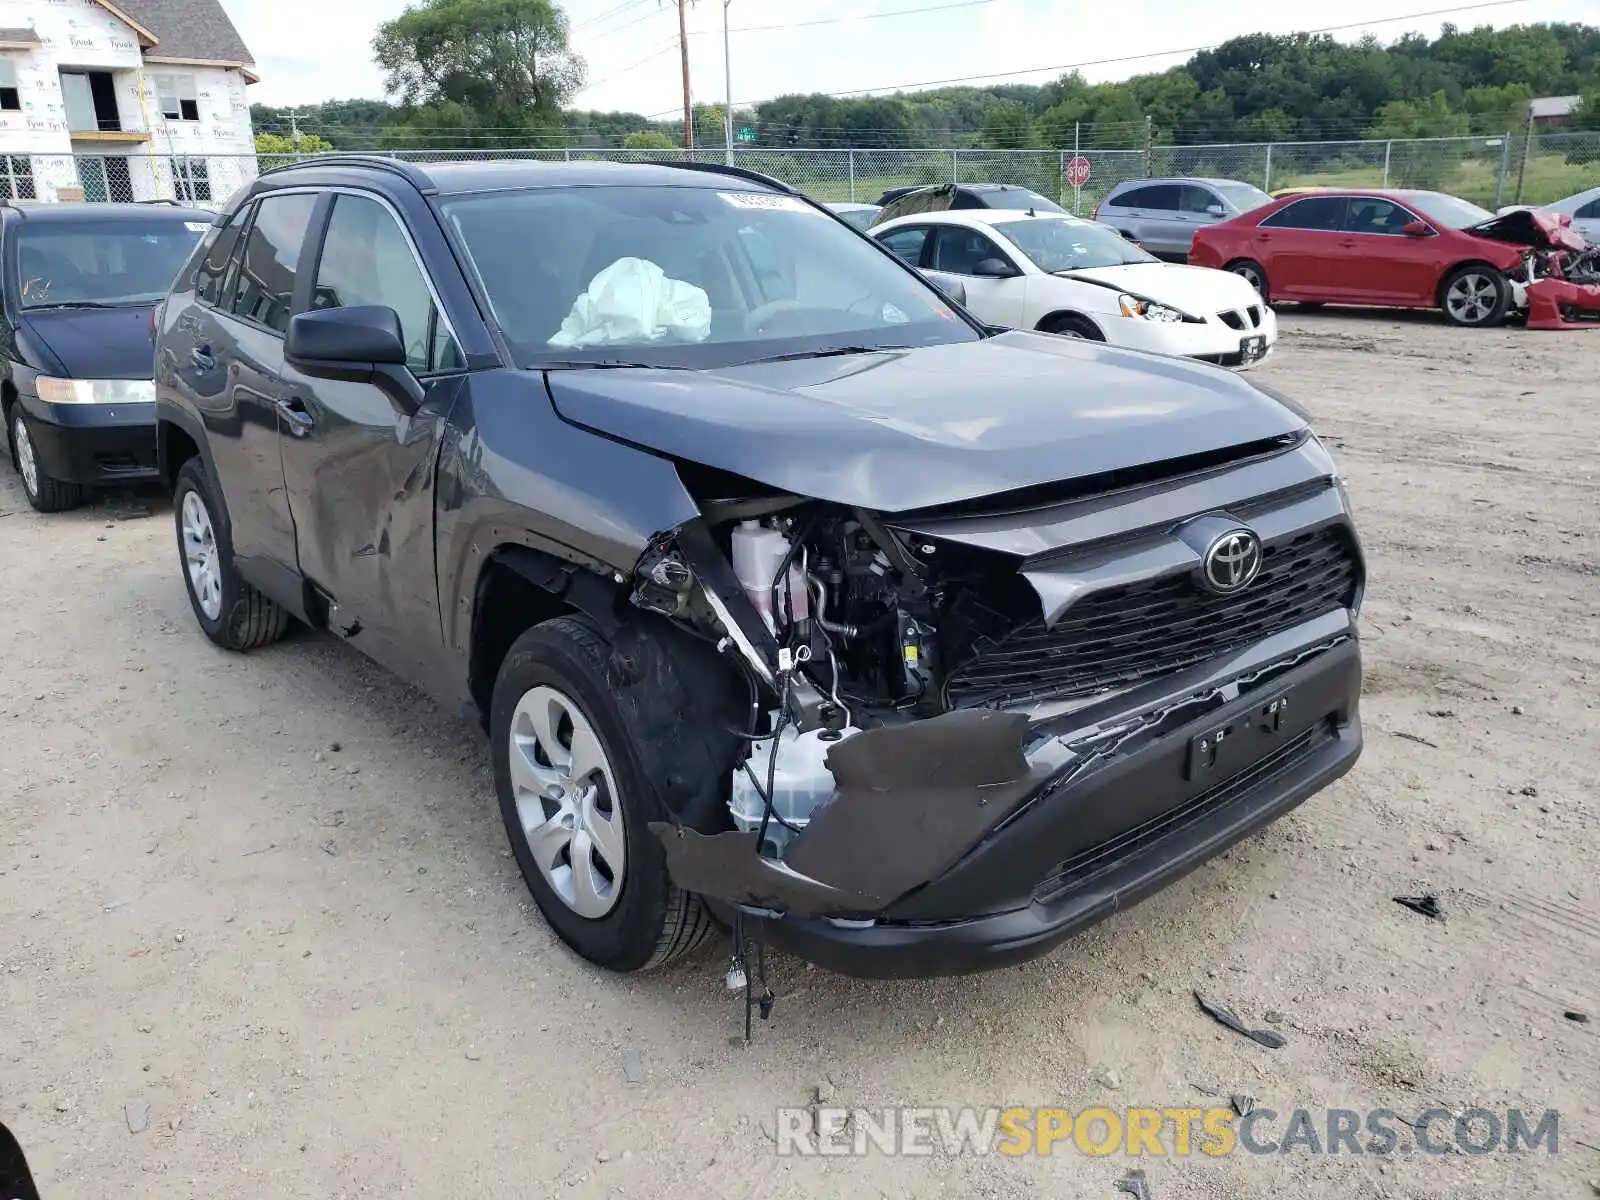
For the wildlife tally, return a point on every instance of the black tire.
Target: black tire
(1474, 296)
(653, 921)
(1312, 305)
(44, 492)
(1068, 325)
(1254, 272)
(246, 619)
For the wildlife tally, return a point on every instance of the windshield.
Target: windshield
(1242, 196)
(861, 218)
(1447, 210)
(111, 263)
(687, 276)
(1063, 244)
(1018, 198)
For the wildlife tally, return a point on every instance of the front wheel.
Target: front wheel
(577, 804)
(231, 613)
(1073, 327)
(44, 492)
(1252, 273)
(1475, 296)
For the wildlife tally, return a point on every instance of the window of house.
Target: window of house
(10, 97)
(16, 177)
(177, 97)
(264, 288)
(367, 260)
(191, 179)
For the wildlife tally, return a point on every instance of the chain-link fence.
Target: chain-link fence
(1494, 170)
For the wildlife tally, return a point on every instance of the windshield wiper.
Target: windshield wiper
(832, 352)
(603, 364)
(76, 304)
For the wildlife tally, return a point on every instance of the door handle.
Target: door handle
(1263, 237)
(1347, 242)
(202, 358)
(294, 411)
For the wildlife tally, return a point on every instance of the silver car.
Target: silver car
(1162, 214)
(1584, 209)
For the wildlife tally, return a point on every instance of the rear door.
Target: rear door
(957, 250)
(1195, 205)
(1300, 248)
(358, 473)
(1152, 217)
(1380, 263)
(227, 357)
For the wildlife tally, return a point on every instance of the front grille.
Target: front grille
(1254, 313)
(1126, 635)
(1232, 319)
(1079, 869)
(1249, 318)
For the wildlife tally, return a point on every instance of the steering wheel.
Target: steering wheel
(759, 315)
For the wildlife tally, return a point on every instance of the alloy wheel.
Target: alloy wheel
(27, 463)
(1472, 298)
(565, 796)
(200, 555)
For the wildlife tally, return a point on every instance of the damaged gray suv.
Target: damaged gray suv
(788, 593)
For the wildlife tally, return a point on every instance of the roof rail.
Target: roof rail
(724, 169)
(412, 173)
(162, 200)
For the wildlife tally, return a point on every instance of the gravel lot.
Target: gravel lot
(322, 972)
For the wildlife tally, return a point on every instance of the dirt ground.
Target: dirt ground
(321, 971)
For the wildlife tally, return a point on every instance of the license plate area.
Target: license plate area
(1252, 349)
(1228, 747)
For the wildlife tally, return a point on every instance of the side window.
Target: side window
(263, 289)
(1314, 212)
(907, 243)
(1195, 199)
(1368, 214)
(208, 279)
(367, 260)
(1589, 212)
(958, 251)
(1156, 196)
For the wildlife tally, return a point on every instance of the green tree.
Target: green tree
(1010, 126)
(648, 139)
(281, 143)
(504, 65)
(1427, 118)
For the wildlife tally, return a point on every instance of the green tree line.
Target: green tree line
(501, 73)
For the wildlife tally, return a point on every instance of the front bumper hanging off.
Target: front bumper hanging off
(1560, 304)
(977, 840)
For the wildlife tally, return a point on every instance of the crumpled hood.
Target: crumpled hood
(1198, 291)
(1530, 227)
(900, 430)
(97, 343)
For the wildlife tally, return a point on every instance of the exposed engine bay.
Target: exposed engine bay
(1557, 282)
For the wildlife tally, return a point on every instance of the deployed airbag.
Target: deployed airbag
(633, 301)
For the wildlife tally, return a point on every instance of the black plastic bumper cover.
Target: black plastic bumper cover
(94, 443)
(1038, 881)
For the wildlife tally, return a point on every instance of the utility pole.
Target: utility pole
(1527, 149)
(727, 83)
(683, 50)
(294, 129)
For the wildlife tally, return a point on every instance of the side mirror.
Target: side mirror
(949, 285)
(362, 343)
(1416, 229)
(1216, 210)
(993, 268)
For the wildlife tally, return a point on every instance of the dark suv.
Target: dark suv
(79, 283)
(783, 589)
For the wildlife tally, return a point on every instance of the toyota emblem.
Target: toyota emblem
(1232, 562)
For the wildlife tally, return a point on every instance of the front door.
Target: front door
(359, 473)
(1381, 263)
(957, 250)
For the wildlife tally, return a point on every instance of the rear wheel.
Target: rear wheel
(1252, 273)
(577, 803)
(1072, 326)
(1474, 296)
(46, 493)
(231, 613)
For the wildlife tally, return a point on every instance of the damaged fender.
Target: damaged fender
(1560, 304)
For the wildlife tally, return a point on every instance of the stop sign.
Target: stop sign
(1077, 170)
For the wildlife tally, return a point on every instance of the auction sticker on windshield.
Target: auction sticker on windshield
(760, 200)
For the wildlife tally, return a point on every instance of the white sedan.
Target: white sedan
(1059, 274)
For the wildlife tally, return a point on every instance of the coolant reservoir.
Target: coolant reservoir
(800, 782)
(757, 554)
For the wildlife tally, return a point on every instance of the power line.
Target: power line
(667, 49)
(899, 12)
(609, 13)
(1127, 58)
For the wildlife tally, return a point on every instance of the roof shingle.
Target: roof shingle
(198, 29)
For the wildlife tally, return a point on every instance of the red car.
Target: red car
(1400, 249)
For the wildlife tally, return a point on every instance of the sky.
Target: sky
(846, 45)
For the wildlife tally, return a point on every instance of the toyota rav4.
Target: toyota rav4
(785, 590)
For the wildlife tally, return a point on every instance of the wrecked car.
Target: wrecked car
(788, 594)
(1404, 249)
